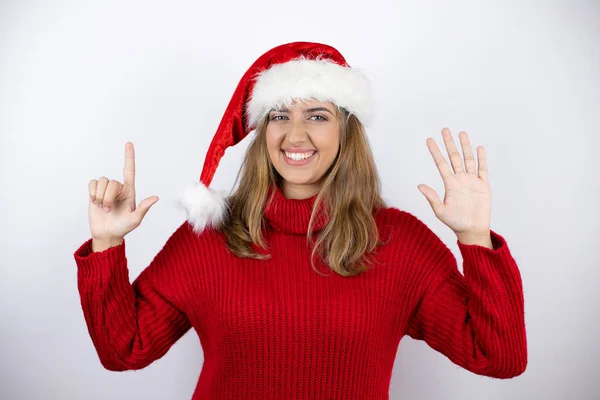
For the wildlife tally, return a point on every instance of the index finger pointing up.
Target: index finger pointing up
(129, 170)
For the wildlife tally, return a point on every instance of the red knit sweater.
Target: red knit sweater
(276, 329)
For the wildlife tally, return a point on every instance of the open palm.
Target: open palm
(466, 208)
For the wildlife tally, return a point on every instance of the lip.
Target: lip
(297, 150)
(298, 162)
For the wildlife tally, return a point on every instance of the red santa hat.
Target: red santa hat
(293, 71)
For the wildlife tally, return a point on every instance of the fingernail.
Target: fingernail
(106, 209)
(94, 201)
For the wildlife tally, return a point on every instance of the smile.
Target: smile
(299, 156)
(298, 159)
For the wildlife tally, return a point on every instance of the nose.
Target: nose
(297, 133)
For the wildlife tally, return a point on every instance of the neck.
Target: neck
(292, 216)
(300, 192)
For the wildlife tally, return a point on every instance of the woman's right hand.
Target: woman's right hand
(112, 209)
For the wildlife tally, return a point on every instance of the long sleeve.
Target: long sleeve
(132, 324)
(475, 319)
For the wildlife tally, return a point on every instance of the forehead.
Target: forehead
(304, 104)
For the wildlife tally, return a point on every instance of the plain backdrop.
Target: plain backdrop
(79, 79)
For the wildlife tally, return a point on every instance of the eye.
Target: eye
(318, 118)
(277, 118)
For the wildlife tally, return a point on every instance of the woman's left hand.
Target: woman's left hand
(466, 208)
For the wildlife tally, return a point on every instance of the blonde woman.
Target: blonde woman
(302, 282)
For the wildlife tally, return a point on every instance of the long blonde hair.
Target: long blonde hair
(350, 194)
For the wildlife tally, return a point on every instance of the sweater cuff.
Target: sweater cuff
(498, 242)
(92, 264)
(476, 256)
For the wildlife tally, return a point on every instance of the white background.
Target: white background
(80, 79)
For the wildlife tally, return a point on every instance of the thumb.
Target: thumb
(432, 197)
(144, 206)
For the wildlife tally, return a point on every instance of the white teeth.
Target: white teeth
(299, 156)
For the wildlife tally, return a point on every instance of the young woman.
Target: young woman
(302, 283)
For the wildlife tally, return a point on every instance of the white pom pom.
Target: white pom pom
(204, 206)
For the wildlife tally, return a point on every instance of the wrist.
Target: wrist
(480, 239)
(99, 245)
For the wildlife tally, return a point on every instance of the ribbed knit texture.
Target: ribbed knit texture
(276, 329)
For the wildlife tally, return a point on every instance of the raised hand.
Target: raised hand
(466, 208)
(112, 209)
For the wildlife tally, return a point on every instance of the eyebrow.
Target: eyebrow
(309, 110)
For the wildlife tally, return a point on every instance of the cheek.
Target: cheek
(328, 142)
(272, 139)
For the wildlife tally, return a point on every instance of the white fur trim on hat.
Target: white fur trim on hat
(204, 206)
(319, 79)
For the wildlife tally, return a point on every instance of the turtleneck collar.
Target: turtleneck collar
(292, 216)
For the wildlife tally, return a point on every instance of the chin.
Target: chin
(298, 180)
(298, 175)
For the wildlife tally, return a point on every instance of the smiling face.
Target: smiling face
(303, 141)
